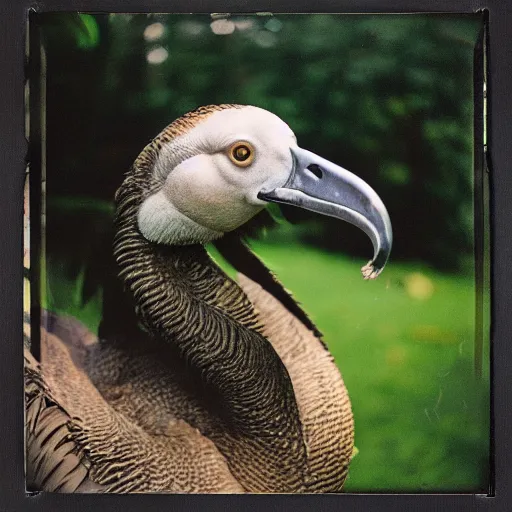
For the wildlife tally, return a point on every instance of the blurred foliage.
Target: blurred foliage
(387, 96)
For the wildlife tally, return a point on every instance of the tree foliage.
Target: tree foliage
(388, 97)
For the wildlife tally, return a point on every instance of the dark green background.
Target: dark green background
(388, 97)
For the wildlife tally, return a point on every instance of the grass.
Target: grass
(404, 344)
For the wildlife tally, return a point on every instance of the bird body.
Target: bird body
(197, 382)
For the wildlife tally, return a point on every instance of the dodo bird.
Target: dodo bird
(198, 383)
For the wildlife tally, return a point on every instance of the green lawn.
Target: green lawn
(404, 344)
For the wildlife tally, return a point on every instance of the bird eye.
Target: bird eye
(241, 154)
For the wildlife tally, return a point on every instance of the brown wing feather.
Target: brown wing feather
(322, 397)
(54, 460)
(146, 392)
(78, 442)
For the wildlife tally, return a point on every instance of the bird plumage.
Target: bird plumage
(151, 393)
(197, 382)
(55, 461)
(117, 449)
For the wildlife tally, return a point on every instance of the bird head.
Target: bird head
(217, 168)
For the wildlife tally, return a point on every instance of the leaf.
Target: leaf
(89, 35)
(276, 213)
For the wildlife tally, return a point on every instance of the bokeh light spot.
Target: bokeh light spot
(265, 39)
(154, 31)
(419, 286)
(274, 25)
(157, 55)
(244, 24)
(222, 27)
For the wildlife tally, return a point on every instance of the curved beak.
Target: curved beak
(323, 187)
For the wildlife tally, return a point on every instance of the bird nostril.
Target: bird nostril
(315, 169)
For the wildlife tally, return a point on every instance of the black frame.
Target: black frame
(12, 170)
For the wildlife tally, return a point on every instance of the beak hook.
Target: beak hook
(318, 185)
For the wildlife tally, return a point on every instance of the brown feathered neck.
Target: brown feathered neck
(186, 301)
